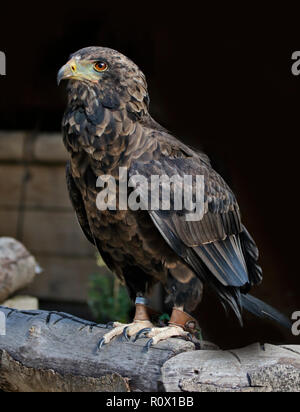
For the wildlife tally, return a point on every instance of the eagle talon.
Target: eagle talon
(109, 325)
(186, 337)
(190, 337)
(125, 335)
(142, 334)
(100, 344)
(148, 345)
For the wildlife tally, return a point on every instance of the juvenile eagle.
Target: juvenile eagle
(106, 126)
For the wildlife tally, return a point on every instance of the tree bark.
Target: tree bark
(48, 351)
(55, 352)
(17, 267)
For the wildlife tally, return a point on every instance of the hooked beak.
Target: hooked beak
(68, 71)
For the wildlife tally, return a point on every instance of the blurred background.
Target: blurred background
(220, 81)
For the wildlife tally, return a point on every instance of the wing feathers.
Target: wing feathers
(218, 248)
(224, 260)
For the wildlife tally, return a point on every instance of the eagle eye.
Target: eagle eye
(100, 66)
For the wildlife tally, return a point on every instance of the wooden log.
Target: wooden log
(256, 368)
(56, 352)
(49, 351)
(17, 267)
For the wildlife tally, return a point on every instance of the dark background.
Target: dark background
(219, 80)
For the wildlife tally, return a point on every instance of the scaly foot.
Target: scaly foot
(159, 334)
(127, 330)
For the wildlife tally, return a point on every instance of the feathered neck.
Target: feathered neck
(105, 130)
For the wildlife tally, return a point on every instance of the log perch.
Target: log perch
(17, 267)
(56, 352)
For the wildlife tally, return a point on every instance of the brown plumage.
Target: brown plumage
(106, 126)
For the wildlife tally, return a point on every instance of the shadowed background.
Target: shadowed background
(221, 82)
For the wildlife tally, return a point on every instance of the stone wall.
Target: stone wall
(35, 209)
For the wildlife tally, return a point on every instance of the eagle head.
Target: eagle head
(114, 78)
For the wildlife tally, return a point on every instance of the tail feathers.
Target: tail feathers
(262, 310)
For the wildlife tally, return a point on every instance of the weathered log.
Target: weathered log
(48, 351)
(56, 352)
(256, 368)
(17, 267)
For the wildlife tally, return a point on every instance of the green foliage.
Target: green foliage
(107, 298)
(163, 320)
(165, 317)
(198, 335)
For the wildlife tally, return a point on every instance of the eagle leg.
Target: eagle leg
(181, 325)
(141, 321)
